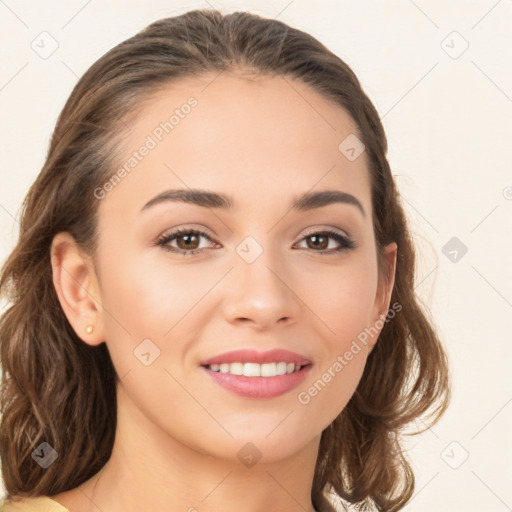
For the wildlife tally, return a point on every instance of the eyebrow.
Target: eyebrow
(208, 199)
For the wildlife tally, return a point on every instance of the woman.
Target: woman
(213, 290)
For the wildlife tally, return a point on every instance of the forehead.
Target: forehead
(257, 139)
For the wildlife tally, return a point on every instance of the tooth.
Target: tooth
(255, 369)
(281, 368)
(268, 370)
(251, 369)
(236, 368)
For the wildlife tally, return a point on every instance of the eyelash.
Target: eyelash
(346, 242)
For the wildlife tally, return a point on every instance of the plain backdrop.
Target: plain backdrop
(439, 74)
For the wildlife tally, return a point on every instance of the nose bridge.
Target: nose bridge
(258, 264)
(261, 291)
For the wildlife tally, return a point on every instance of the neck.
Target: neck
(150, 470)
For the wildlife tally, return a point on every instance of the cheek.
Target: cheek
(148, 299)
(328, 392)
(157, 301)
(344, 302)
(136, 308)
(343, 357)
(343, 298)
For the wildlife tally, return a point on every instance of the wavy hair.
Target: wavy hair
(57, 389)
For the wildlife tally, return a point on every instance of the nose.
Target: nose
(261, 294)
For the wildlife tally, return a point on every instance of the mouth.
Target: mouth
(256, 369)
(260, 375)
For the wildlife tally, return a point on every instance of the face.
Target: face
(248, 272)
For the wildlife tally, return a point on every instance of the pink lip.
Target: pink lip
(253, 356)
(258, 387)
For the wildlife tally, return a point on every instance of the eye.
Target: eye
(320, 239)
(188, 241)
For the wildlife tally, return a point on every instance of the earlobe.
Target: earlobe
(77, 288)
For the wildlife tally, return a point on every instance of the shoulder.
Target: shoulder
(35, 504)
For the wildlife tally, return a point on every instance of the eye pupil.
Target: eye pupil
(316, 238)
(186, 244)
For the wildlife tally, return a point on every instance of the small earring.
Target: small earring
(89, 329)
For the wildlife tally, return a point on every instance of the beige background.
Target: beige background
(447, 110)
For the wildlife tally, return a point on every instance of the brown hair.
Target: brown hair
(59, 390)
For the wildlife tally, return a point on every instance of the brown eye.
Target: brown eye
(187, 241)
(319, 242)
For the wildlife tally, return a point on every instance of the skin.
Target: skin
(178, 433)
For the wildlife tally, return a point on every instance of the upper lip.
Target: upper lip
(255, 356)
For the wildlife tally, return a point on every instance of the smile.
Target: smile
(255, 374)
(255, 369)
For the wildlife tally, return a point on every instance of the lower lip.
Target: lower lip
(259, 387)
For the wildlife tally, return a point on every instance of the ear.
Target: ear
(77, 288)
(385, 286)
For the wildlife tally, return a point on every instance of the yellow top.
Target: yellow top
(38, 504)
